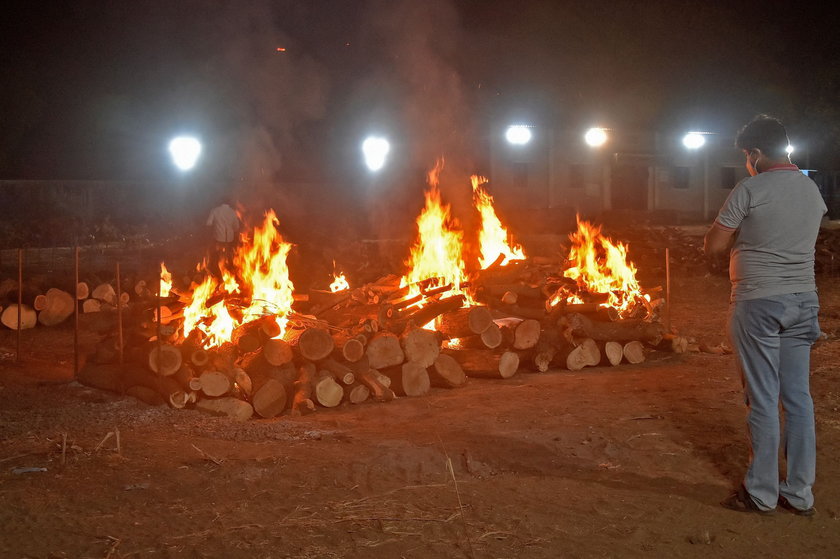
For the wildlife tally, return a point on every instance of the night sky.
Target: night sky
(94, 89)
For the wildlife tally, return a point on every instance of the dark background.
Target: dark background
(95, 89)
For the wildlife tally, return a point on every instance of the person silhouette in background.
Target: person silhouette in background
(224, 223)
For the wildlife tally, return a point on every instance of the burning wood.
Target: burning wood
(243, 343)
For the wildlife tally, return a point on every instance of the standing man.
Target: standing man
(225, 223)
(769, 225)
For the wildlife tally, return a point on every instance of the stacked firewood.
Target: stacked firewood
(366, 344)
(50, 306)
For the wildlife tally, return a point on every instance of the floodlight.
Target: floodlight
(595, 137)
(694, 140)
(185, 151)
(518, 134)
(375, 150)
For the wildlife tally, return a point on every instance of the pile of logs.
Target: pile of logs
(29, 305)
(363, 344)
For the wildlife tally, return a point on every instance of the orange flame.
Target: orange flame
(493, 237)
(600, 266)
(260, 264)
(165, 281)
(436, 256)
(339, 283)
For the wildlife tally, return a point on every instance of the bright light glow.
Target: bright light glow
(595, 137)
(375, 150)
(185, 152)
(694, 140)
(518, 134)
(789, 149)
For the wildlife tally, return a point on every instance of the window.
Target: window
(682, 177)
(727, 177)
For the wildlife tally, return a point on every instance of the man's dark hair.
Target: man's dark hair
(765, 133)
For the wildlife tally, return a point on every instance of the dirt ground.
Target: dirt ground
(630, 461)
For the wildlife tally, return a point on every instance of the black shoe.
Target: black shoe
(741, 501)
(785, 504)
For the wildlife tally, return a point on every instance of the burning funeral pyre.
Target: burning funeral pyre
(244, 341)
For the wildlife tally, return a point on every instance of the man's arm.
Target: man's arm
(718, 240)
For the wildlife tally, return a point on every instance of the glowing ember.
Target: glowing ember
(339, 283)
(436, 257)
(599, 266)
(260, 265)
(493, 237)
(165, 281)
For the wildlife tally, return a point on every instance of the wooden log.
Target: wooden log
(348, 346)
(489, 339)
(270, 399)
(420, 346)
(445, 372)
(28, 317)
(573, 358)
(57, 306)
(82, 291)
(464, 321)
(590, 351)
(486, 363)
(526, 334)
(250, 336)
(40, 302)
(91, 305)
(164, 359)
(426, 314)
(215, 383)
(673, 343)
(612, 353)
(378, 391)
(277, 351)
(314, 344)
(384, 350)
(302, 401)
(520, 311)
(325, 390)
(620, 331)
(352, 349)
(408, 379)
(356, 393)
(233, 408)
(634, 352)
(105, 292)
(242, 382)
(341, 372)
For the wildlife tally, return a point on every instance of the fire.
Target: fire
(258, 263)
(339, 283)
(165, 280)
(436, 258)
(493, 237)
(601, 267)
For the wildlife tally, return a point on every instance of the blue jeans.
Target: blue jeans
(772, 338)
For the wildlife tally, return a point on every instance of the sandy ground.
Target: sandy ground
(630, 461)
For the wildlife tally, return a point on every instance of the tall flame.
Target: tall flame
(436, 256)
(260, 264)
(493, 237)
(165, 280)
(600, 266)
